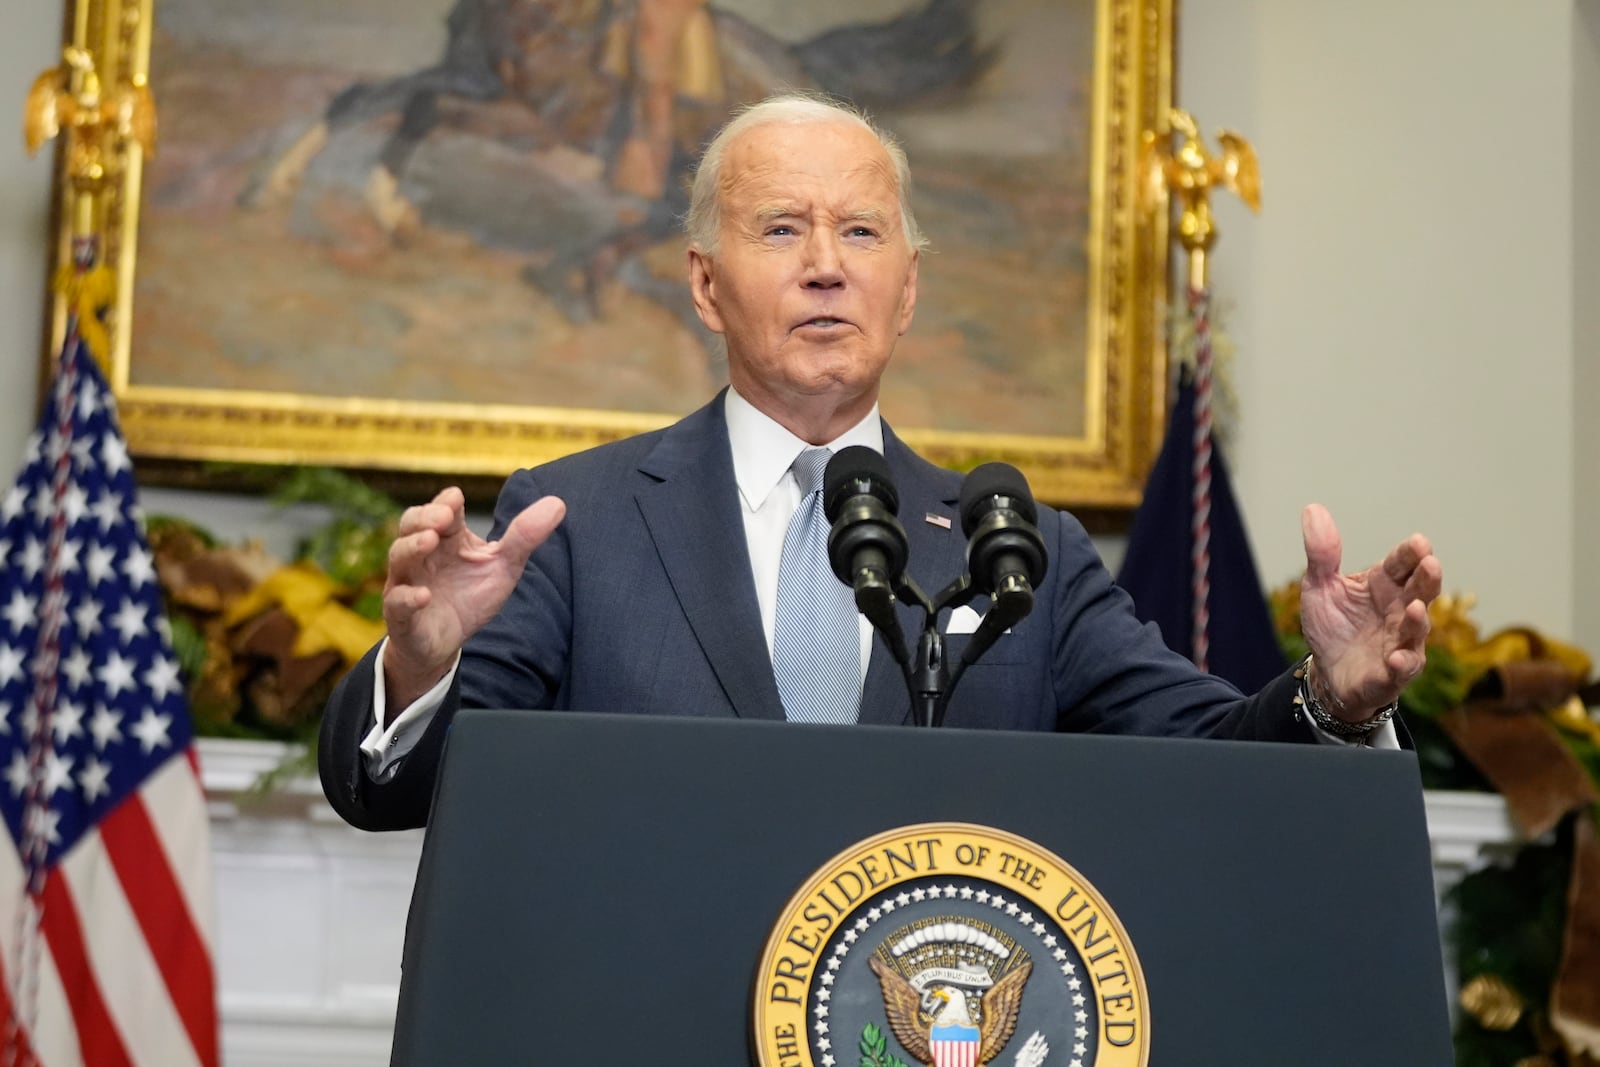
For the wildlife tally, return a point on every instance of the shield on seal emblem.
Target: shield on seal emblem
(954, 1046)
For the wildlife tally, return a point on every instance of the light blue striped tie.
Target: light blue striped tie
(816, 641)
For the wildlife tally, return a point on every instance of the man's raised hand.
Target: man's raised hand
(1368, 631)
(445, 582)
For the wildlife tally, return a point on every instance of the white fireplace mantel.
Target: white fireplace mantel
(312, 912)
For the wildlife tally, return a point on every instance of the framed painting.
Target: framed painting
(442, 236)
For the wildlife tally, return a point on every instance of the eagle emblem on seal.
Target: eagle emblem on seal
(951, 1016)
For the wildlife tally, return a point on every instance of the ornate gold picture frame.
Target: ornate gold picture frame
(348, 252)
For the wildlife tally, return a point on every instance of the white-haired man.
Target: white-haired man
(647, 575)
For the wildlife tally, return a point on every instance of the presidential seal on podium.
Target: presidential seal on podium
(949, 945)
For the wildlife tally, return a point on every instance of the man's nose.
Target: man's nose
(823, 268)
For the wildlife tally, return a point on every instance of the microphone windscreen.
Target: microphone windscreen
(850, 469)
(989, 481)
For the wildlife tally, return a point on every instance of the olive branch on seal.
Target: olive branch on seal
(875, 1049)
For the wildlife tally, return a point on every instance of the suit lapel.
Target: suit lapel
(936, 559)
(692, 511)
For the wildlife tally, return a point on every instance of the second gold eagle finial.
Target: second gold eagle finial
(1178, 163)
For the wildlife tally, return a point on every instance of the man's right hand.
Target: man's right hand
(445, 582)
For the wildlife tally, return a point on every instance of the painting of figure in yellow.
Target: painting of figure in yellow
(480, 201)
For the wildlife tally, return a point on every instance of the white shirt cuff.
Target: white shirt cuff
(1384, 737)
(384, 748)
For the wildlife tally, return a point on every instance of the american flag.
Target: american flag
(106, 918)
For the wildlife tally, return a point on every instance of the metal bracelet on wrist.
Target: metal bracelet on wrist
(1330, 723)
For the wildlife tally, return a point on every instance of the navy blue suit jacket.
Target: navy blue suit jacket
(643, 601)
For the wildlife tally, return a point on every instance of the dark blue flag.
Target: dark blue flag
(1158, 570)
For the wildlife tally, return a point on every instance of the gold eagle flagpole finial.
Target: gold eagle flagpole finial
(101, 123)
(1188, 173)
(1176, 163)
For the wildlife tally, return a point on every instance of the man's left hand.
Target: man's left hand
(1367, 631)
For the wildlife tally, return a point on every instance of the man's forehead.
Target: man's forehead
(774, 165)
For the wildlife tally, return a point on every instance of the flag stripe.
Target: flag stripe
(176, 801)
(98, 1037)
(53, 1039)
(158, 904)
(11, 891)
(130, 994)
(57, 1043)
(136, 995)
(15, 1050)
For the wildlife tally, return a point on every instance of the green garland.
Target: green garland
(1507, 924)
(352, 548)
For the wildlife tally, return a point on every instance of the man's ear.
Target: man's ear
(908, 297)
(703, 288)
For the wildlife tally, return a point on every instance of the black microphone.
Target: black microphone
(1005, 554)
(867, 545)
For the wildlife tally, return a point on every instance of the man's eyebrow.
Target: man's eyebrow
(767, 214)
(872, 215)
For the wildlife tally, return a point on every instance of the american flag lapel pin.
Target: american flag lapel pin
(941, 521)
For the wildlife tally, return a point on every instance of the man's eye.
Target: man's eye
(779, 231)
(862, 231)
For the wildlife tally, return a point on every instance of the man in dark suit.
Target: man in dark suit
(644, 575)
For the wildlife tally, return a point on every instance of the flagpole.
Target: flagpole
(45, 670)
(1188, 172)
(1199, 299)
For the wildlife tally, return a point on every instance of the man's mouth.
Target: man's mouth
(823, 321)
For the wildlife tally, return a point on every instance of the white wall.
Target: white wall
(1406, 306)
(1419, 343)
(32, 37)
(1586, 332)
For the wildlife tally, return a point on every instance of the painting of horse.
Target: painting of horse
(480, 201)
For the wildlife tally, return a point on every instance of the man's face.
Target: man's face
(813, 280)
